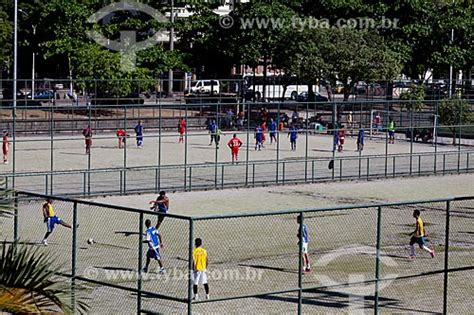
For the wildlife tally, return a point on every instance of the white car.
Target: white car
(206, 87)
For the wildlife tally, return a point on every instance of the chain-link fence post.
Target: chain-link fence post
(15, 217)
(300, 263)
(377, 260)
(140, 263)
(74, 257)
(446, 259)
(190, 266)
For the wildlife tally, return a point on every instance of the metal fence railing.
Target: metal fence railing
(149, 179)
(359, 257)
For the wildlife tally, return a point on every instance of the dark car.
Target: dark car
(44, 95)
(436, 91)
(304, 97)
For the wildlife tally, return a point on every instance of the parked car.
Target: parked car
(44, 95)
(205, 87)
(304, 97)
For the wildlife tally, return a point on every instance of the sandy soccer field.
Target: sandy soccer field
(259, 254)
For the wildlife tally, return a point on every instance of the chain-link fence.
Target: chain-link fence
(360, 258)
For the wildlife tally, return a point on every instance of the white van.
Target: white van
(206, 87)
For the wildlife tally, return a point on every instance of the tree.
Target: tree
(415, 97)
(453, 113)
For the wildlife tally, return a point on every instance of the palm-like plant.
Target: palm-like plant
(28, 284)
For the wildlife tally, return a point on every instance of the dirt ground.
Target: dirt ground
(260, 254)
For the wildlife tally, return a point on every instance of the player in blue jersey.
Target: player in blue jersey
(293, 134)
(272, 128)
(139, 134)
(258, 138)
(160, 205)
(155, 243)
(305, 239)
(212, 131)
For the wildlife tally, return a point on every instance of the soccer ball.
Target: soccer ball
(90, 241)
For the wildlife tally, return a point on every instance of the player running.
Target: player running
(181, 129)
(306, 263)
(418, 237)
(160, 205)
(155, 243)
(212, 131)
(272, 128)
(342, 139)
(121, 135)
(5, 146)
(200, 263)
(51, 220)
(139, 134)
(258, 138)
(87, 133)
(234, 144)
(293, 135)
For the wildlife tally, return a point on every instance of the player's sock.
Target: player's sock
(412, 250)
(207, 296)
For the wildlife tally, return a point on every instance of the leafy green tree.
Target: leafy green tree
(6, 35)
(414, 97)
(453, 113)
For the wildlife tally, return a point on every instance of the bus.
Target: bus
(277, 87)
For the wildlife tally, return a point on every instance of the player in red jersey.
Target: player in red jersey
(121, 135)
(5, 147)
(234, 144)
(181, 129)
(87, 133)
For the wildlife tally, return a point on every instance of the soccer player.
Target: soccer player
(212, 131)
(391, 131)
(87, 133)
(51, 220)
(418, 237)
(217, 137)
(360, 140)
(305, 239)
(155, 243)
(293, 134)
(200, 263)
(272, 128)
(258, 138)
(5, 146)
(264, 132)
(181, 129)
(121, 135)
(139, 134)
(342, 138)
(377, 123)
(234, 144)
(160, 205)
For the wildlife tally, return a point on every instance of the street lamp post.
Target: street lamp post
(170, 72)
(15, 70)
(33, 68)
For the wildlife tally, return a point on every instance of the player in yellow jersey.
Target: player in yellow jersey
(200, 263)
(51, 219)
(418, 237)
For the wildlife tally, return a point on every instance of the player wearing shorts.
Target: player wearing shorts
(418, 237)
(139, 134)
(121, 135)
(87, 133)
(391, 131)
(342, 139)
(5, 147)
(264, 132)
(258, 138)
(181, 129)
(305, 239)
(155, 243)
(200, 263)
(272, 127)
(51, 220)
(360, 140)
(160, 205)
(234, 144)
(293, 134)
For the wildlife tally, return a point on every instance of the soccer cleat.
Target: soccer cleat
(145, 269)
(308, 269)
(432, 253)
(195, 297)
(162, 270)
(412, 257)
(45, 242)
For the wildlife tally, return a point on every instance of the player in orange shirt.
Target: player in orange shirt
(181, 129)
(121, 134)
(234, 144)
(264, 132)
